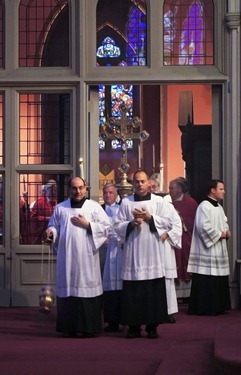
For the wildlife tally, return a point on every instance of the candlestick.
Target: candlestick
(153, 157)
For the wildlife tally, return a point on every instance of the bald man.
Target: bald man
(78, 228)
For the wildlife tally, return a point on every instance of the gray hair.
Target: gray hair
(109, 184)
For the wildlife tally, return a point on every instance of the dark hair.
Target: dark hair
(70, 181)
(140, 171)
(212, 184)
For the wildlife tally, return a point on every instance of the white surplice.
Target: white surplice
(208, 254)
(142, 252)
(113, 263)
(174, 240)
(78, 265)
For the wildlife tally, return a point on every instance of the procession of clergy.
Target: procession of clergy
(128, 257)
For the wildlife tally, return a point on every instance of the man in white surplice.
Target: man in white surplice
(208, 261)
(171, 239)
(141, 220)
(112, 281)
(174, 239)
(78, 226)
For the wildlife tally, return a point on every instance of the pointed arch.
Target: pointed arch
(43, 33)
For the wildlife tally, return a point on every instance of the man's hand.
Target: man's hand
(137, 221)
(225, 235)
(49, 235)
(164, 236)
(141, 214)
(80, 221)
(228, 234)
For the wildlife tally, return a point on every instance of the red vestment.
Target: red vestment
(187, 209)
(40, 215)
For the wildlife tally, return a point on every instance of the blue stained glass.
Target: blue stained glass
(102, 114)
(121, 94)
(136, 32)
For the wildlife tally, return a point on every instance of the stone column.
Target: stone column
(232, 157)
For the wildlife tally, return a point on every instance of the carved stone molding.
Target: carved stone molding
(233, 20)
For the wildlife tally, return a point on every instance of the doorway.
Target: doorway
(180, 122)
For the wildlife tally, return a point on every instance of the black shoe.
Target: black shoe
(151, 330)
(112, 328)
(133, 334)
(170, 319)
(152, 334)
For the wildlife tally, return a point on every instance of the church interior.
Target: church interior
(67, 67)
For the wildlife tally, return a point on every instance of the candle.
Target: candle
(81, 162)
(139, 156)
(153, 156)
(161, 176)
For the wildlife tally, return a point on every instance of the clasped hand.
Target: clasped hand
(140, 215)
(80, 221)
(225, 234)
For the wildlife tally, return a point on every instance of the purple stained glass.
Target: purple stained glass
(187, 31)
(136, 33)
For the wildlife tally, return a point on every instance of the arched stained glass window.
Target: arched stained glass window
(188, 32)
(121, 33)
(1, 37)
(43, 33)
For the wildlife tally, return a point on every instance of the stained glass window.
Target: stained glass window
(110, 98)
(121, 94)
(108, 49)
(188, 32)
(121, 33)
(43, 33)
(136, 35)
(102, 105)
